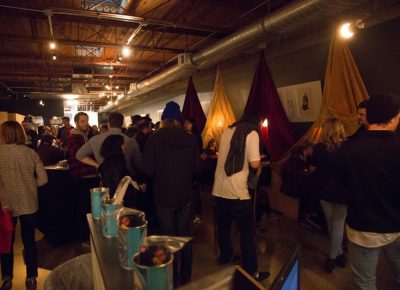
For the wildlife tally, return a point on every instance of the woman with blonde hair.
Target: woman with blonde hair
(331, 193)
(21, 173)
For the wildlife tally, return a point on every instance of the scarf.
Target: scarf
(235, 159)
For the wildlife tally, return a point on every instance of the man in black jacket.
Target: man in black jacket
(371, 163)
(171, 157)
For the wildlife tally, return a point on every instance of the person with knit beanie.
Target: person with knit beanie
(171, 157)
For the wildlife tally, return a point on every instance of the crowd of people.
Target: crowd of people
(354, 182)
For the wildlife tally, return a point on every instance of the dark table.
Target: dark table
(56, 207)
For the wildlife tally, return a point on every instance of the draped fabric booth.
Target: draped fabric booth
(343, 90)
(220, 114)
(192, 107)
(264, 99)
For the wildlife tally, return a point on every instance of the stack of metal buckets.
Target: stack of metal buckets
(150, 259)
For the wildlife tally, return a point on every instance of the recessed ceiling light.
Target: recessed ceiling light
(346, 30)
(52, 45)
(126, 51)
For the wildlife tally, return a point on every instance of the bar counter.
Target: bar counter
(109, 275)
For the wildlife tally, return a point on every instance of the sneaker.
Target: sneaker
(341, 261)
(234, 259)
(260, 276)
(197, 220)
(31, 284)
(6, 284)
(330, 265)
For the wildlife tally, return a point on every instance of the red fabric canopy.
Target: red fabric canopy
(192, 107)
(264, 99)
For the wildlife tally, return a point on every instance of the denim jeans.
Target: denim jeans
(335, 215)
(28, 225)
(363, 263)
(240, 211)
(174, 221)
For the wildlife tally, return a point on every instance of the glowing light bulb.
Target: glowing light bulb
(54, 57)
(126, 51)
(265, 123)
(346, 30)
(52, 45)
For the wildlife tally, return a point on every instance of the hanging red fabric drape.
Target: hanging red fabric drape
(192, 107)
(264, 99)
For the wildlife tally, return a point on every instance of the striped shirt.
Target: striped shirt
(21, 173)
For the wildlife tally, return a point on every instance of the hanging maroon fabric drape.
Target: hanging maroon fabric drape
(192, 107)
(264, 99)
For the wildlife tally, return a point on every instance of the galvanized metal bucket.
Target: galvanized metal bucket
(132, 230)
(96, 196)
(109, 212)
(152, 277)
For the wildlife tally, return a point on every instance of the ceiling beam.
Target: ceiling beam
(11, 71)
(101, 18)
(77, 60)
(15, 38)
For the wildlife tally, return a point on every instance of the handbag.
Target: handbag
(6, 230)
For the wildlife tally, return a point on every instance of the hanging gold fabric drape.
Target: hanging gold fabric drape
(220, 114)
(343, 90)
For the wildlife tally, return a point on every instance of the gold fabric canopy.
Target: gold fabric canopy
(220, 114)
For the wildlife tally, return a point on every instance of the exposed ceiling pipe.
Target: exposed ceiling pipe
(49, 15)
(289, 18)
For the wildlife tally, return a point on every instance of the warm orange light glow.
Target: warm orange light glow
(265, 123)
(220, 123)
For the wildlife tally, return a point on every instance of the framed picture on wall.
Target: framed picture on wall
(301, 102)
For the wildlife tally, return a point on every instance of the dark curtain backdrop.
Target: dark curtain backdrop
(264, 99)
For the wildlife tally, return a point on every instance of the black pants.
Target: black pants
(174, 221)
(28, 225)
(196, 200)
(241, 212)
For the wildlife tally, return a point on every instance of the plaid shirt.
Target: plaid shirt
(21, 173)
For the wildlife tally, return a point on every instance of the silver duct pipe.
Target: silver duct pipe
(290, 17)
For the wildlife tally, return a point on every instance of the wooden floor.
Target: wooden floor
(275, 240)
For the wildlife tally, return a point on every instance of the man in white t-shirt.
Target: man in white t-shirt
(239, 151)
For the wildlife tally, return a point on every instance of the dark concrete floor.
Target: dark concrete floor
(276, 239)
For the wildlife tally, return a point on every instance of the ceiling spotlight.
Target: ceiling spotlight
(114, 94)
(346, 30)
(52, 45)
(126, 51)
(54, 57)
(109, 103)
(41, 103)
(108, 87)
(117, 87)
(110, 76)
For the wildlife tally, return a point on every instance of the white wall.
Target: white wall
(237, 77)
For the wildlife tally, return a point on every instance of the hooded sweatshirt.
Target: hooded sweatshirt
(78, 169)
(171, 157)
